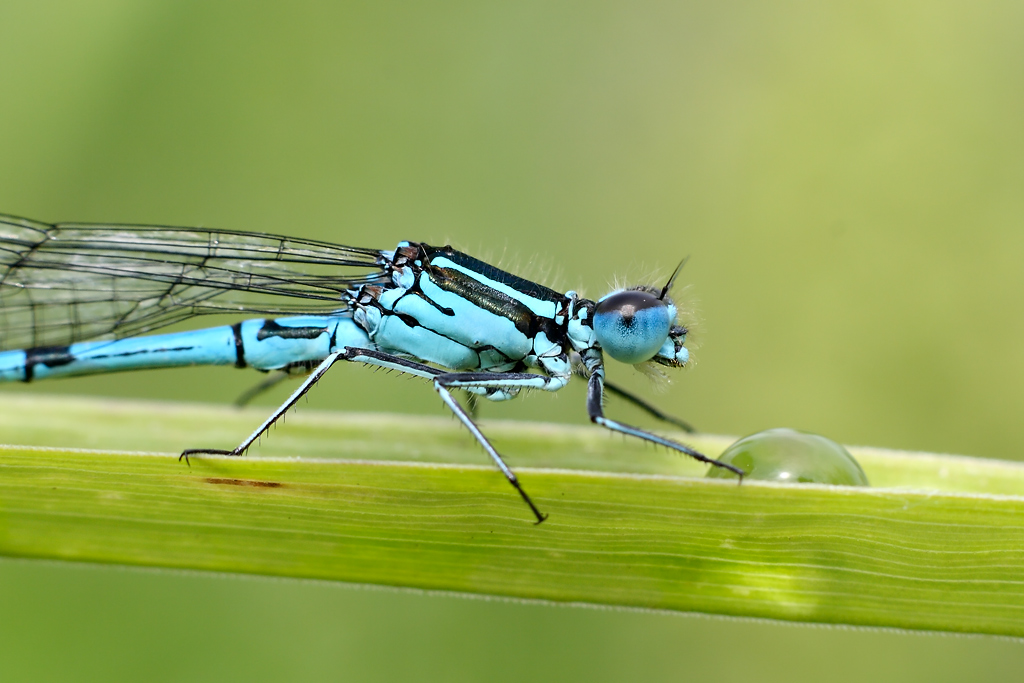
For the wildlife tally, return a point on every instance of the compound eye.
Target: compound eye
(631, 326)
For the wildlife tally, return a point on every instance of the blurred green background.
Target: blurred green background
(847, 177)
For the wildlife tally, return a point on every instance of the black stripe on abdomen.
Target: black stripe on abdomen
(236, 329)
(50, 356)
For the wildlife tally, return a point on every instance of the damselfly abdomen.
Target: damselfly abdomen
(79, 299)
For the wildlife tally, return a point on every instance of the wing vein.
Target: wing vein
(64, 283)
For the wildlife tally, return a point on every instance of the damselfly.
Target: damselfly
(78, 299)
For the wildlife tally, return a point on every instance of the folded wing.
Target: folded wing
(64, 283)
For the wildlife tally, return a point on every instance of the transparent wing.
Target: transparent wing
(65, 283)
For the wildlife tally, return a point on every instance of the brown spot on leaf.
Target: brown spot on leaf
(245, 482)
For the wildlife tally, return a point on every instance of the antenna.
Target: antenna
(671, 280)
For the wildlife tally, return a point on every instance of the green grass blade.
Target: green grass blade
(938, 543)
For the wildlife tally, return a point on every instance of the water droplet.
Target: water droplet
(786, 455)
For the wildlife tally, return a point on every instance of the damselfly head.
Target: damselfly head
(639, 324)
(636, 326)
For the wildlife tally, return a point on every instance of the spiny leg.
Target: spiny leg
(460, 413)
(314, 376)
(442, 383)
(496, 381)
(595, 395)
(461, 380)
(390, 361)
(640, 403)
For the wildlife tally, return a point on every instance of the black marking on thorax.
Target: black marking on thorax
(490, 299)
(406, 319)
(272, 329)
(499, 303)
(416, 290)
(487, 298)
(517, 283)
(50, 356)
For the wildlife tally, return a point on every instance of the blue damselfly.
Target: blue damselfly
(79, 299)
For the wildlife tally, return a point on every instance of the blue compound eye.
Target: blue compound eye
(631, 326)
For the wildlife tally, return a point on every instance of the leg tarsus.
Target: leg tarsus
(445, 381)
(537, 513)
(206, 451)
(616, 426)
(441, 384)
(312, 379)
(595, 394)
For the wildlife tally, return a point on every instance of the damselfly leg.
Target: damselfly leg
(595, 397)
(313, 378)
(444, 381)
